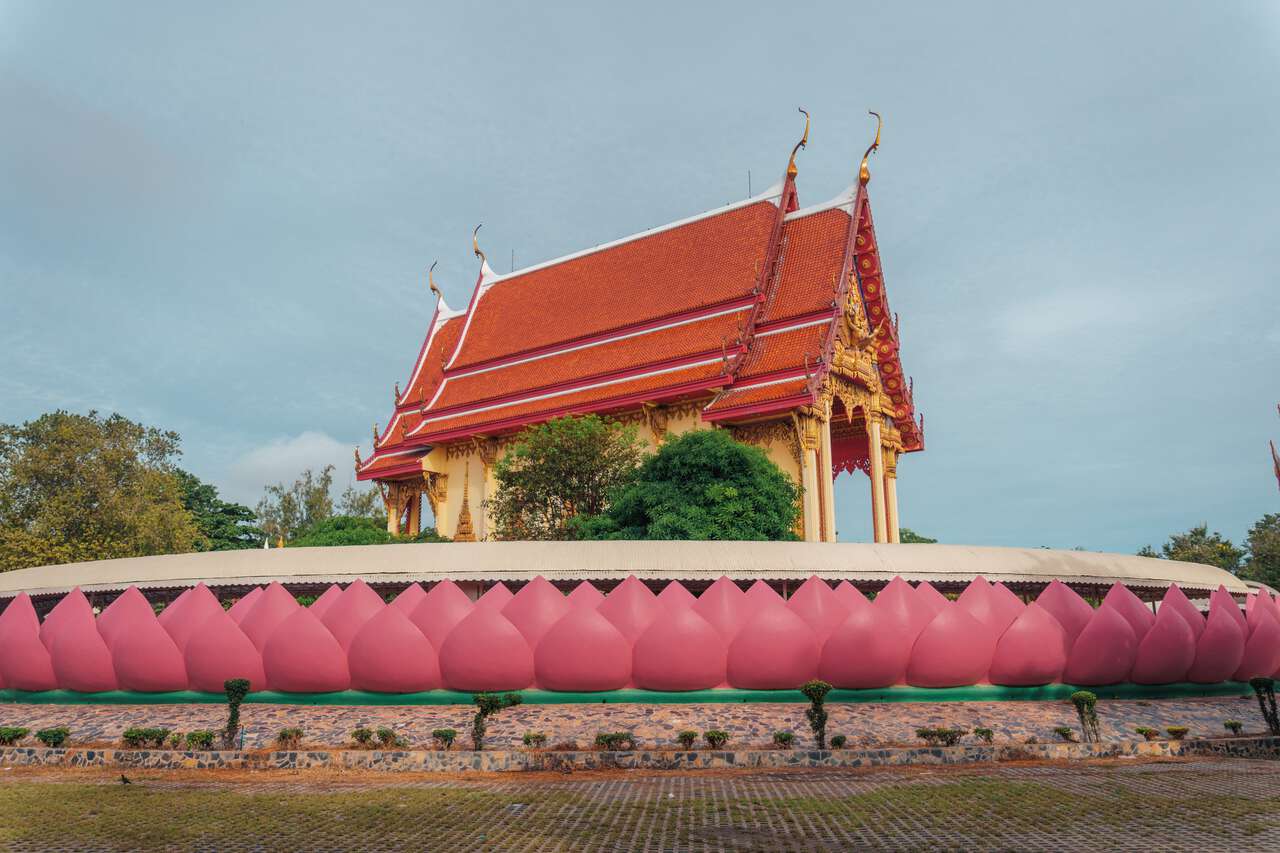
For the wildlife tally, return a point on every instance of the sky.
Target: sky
(217, 219)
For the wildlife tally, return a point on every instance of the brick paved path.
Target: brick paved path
(1195, 806)
(654, 725)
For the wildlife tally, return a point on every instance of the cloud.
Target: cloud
(283, 459)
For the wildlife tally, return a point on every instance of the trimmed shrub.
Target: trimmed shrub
(984, 734)
(176, 740)
(363, 737)
(290, 738)
(488, 704)
(687, 738)
(9, 735)
(715, 738)
(1233, 726)
(443, 738)
(236, 689)
(1067, 733)
(200, 739)
(785, 740)
(1086, 709)
(535, 740)
(388, 739)
(54, 737)
(941, 735)
(816, 692)
(1177, 732)
(140, 738)
(615, 741)
(1265, 690)
(838, 741)
(1147, 732)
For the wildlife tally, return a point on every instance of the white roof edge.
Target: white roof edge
(843, 200)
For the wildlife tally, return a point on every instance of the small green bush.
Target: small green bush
(363, 737)
(941, 735)
(444, 737)
(1265, 689)
(200, 739)
(9, 735)
(715, 738)
(290, 738)
(784, 740)
(1086, 709)
(838, 741)
(535, 740)
(1067, 733)
(1233, 726)
(984, 734)
(54, 737)
(1147, 732)
(1177, 732)
(616, 741)
(816, 692)
(687, 738)
(388, 739)
(488, 704)
(176, 740)
(141, 738)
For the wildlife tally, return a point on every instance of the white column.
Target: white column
(876, 453)
(826, 482)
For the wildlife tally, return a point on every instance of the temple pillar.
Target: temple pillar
(875, 452)
(392, 502)
(415, 514)
(808, 428)
(826, 482)
(891, 494)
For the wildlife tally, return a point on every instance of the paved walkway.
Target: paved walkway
(654, 725)
(1199, 806)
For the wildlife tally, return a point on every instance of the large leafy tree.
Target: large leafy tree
(356, 530)
(1198, 545)
(286, 511)
(700, 485)
(87, 487)
(1263, 564)
(223, 526)
(557, 470)
(909, 537)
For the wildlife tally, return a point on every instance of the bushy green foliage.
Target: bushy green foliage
(1263, 563)
(1067, 733)
(784, 739)
(53, 737)
(222, 526)
(290, 738)
(1265, 689)
(699, 485)
(1086, 709)
(1233, 726)
(535, 740)
(715, 738)
(140, 738)
(488, 704)
(615, 741)
(816, 692)
(1147, 732)
(200, 739)
(388, 739)
(363, 737)
(236, 689)
(941, 735)
(687, 738)
(9, 735)
(342, 530)
(1177, 732)
(558, 470)
(984, 734)
(444, 737)
(838, 741)
(908, 537)
(1198, 545)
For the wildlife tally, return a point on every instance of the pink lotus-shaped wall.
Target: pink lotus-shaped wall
(587, 641)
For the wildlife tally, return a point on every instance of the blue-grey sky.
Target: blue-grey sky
(217, 219)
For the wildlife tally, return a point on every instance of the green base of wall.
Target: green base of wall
(975, 693)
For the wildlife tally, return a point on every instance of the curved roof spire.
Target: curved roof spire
(475, 245)
(864, 174)
(791, 164)
(431, 281)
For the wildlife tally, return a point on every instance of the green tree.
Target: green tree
(342, 530)
(557, 470)
(286, 511)
(1198, 545)
(361, 504)
(909, 536)
(1263, 563)
(223, 526)
(700, 485)
(87, 487)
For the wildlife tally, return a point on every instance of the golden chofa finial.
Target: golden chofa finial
(431, 280)
(375, 434)
(864, 174)
(475, 245)
(804, 140)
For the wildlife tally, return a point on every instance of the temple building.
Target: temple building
(765, 318)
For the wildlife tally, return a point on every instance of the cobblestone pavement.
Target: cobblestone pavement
(654, 725)
(1198, 806)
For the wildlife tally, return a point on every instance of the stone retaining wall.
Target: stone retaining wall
(501, 761)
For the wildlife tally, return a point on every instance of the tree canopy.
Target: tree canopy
(355, 530)
(222, 526)
(1263, 564)
(559, 469)
(1198, 545)
(286, 511)
(699, 485)
(87, 487)
(909, 537)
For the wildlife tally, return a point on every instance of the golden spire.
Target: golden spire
(475, 245)
(864, 174)
(375, 435)
(431, 281)
(397, 392)
(791, 164)
(465, 532)
(359, 461)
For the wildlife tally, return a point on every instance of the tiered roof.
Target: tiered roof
(741, 303)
